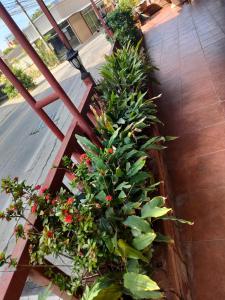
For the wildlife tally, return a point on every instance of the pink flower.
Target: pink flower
(37, 187)
(68, 219)
(43, 189)
(83, 157)
(108, 198)
(34, 208)
(70, 201)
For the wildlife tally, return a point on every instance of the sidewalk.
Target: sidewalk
(188, 45)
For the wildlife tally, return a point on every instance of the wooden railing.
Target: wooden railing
(12, 283)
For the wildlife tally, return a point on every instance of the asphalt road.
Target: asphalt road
(27, 147)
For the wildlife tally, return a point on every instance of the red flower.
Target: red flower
(65, 212)
(47, 197)
(34, 208)
(108, 198)
(68, 219)
(37, 187)
(70, 201)
(110, 151)
(83, 157)
(88, 161)
(50, 234)
(54, 201)
(43, 189)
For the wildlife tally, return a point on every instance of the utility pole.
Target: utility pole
(33, 25)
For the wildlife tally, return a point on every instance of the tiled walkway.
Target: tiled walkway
(188, 45)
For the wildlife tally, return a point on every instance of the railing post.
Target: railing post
(99, 16)
(20, 37)
(60, 33)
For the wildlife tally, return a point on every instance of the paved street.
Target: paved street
(27, 147)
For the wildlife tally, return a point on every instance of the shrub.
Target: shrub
(106, 226)
(128, 4)
(126, 71)
(123, 25)
(48, 56)
(25, 79)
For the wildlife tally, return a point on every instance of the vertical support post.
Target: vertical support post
(99, 16)
(60, 33)
(52, 21)
(20, 37)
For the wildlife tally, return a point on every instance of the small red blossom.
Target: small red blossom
(47, 197)
(54, 201)
(65, 212)
(43, 189)
(50, 234)
(110, 151)
(83, 157)
(70, 201)
(37, 187)
(108, 198)
(68, 219)
(88, 161)
(34, 208)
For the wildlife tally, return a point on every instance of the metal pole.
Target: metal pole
(20, 37)
(61, 35)
(99, 16)
(52, 21)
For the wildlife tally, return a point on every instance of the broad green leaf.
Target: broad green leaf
(133, 266)
(99, 163)
(139, 178)
(152, 143)
(141, 286)
(154, 212)
(126, 251)
(113, 137)
(85, 142)
(123, 185)
(143, 240)
(103, 289)
(113, 292)
(138, 223)
(154, 209)
(171, 218)
(137, 166)
(158, 201)
(119, 172)
(101, 196)
(122, 195)
(129, 207)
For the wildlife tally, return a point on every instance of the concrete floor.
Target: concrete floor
(188, 45)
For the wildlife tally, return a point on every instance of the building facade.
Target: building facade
(77, 20)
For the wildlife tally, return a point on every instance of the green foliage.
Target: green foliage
(48, 56)
(125, 72)
(106, 226)
(128, 4)
(7, 50)
(25, 79)
(122, 23)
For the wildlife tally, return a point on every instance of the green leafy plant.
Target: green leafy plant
(48, 56)
(106, 227)
(126, 71)
(25, 79)
(122, 23)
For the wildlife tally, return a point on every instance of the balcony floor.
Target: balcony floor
(188, 45)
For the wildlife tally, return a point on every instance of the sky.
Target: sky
(20, 19)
